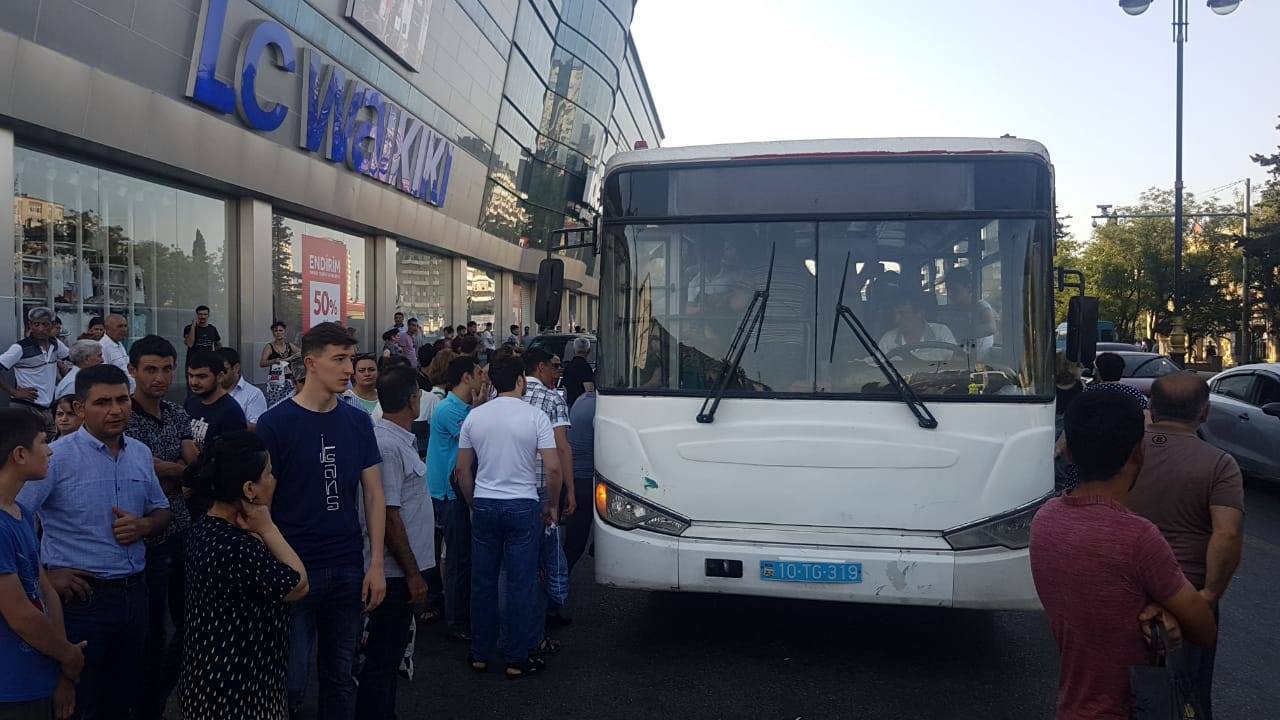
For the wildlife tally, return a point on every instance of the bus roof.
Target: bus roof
(828, 148)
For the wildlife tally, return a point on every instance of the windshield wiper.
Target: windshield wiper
(752, 321)
(923, 417)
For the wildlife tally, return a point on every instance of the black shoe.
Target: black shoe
(556, 620)
(458, 636)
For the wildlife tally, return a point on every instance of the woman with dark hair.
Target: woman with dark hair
(241, 577)
(391, 344)
(277, 355)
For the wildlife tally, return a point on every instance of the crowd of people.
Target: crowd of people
(1132, 560)
(230, 546)
(227, 548)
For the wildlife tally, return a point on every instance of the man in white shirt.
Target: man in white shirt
(252, 400)
(113, 350)
(912, 328)
(34, 362)
(506, 434)
(84, 354)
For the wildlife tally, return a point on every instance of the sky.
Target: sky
(1093, 84)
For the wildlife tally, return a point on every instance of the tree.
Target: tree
(1263, 243)
(1129, 266)
(287, 282)
(1066, 255)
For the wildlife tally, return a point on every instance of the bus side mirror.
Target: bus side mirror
(546, 308)
(1082, 330)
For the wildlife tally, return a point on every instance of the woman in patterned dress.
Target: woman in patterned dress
(241, 577)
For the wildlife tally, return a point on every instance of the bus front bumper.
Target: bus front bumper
(989, 578)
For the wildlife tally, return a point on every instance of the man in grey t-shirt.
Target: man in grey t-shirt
(582, 444)
(410, 541)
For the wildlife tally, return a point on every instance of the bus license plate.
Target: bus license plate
(810, 572)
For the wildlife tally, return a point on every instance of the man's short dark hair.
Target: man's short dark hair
(95, 320)
(390, 334)
(533, 357)
(396, 386)
(460, 367)
(229, 355)
(398, 313)
(202, 308)
(210, 360)
(515, 329)
(462, 328)
(469, 344)
(1102, 429)
(1109, 367)
(470, 323)
(960, 276)
(505, 373)
(104, 374)
(151, 345)
(426, 354)
(324, 335)
(18, 428)
(1180, 396)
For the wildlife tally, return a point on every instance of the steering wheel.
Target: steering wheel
(902, 351)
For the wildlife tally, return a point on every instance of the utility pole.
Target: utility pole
(1246, 311)
(1178, 334)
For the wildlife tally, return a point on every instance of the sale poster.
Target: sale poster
(324, 281)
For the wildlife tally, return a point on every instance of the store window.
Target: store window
(423, 287)
(318, 274)
(91, 242)
(482, 295)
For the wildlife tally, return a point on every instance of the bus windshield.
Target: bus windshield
(960, 306)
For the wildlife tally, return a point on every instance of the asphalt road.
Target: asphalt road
(640, 655)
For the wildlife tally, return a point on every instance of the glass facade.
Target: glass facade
(318, 274)
(567, 80)
(482, 295)
(92, 242)
(423, 287)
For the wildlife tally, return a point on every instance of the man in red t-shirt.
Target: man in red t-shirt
(1101, 570)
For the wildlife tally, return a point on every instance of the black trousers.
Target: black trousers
(388, 635)
(577, 527)
(166, 598)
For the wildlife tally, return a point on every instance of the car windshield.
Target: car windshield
(1148, 366)
(961, 307)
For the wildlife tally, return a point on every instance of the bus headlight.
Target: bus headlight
(1011, 529)
(628, 512)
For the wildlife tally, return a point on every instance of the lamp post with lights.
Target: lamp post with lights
(1178, 336)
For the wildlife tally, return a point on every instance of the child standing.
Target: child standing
(38, 667)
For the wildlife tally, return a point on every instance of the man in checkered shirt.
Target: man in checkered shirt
(542, 372)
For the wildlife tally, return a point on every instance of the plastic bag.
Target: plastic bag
(554, 565)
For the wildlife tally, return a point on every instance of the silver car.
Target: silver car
(1244, 417)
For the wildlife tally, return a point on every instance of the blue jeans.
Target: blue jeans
(114, 622)
(505, 536)
(328, 618)
(1196, 664)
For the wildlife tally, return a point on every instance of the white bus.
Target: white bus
(826, 369)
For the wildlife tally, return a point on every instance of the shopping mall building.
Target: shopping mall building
(305, 160)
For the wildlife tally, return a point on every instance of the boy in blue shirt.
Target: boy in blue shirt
(37, 664)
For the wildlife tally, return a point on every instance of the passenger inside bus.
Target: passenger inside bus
(969, 317)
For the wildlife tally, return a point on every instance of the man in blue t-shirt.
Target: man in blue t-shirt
(213, 412)
(325, 459)
(36, 661)
(466, 383)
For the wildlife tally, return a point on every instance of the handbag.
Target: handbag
(1160, 691)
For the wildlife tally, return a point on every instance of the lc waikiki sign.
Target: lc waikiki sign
(341, 117)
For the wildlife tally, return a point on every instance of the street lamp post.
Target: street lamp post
(1178, 334)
